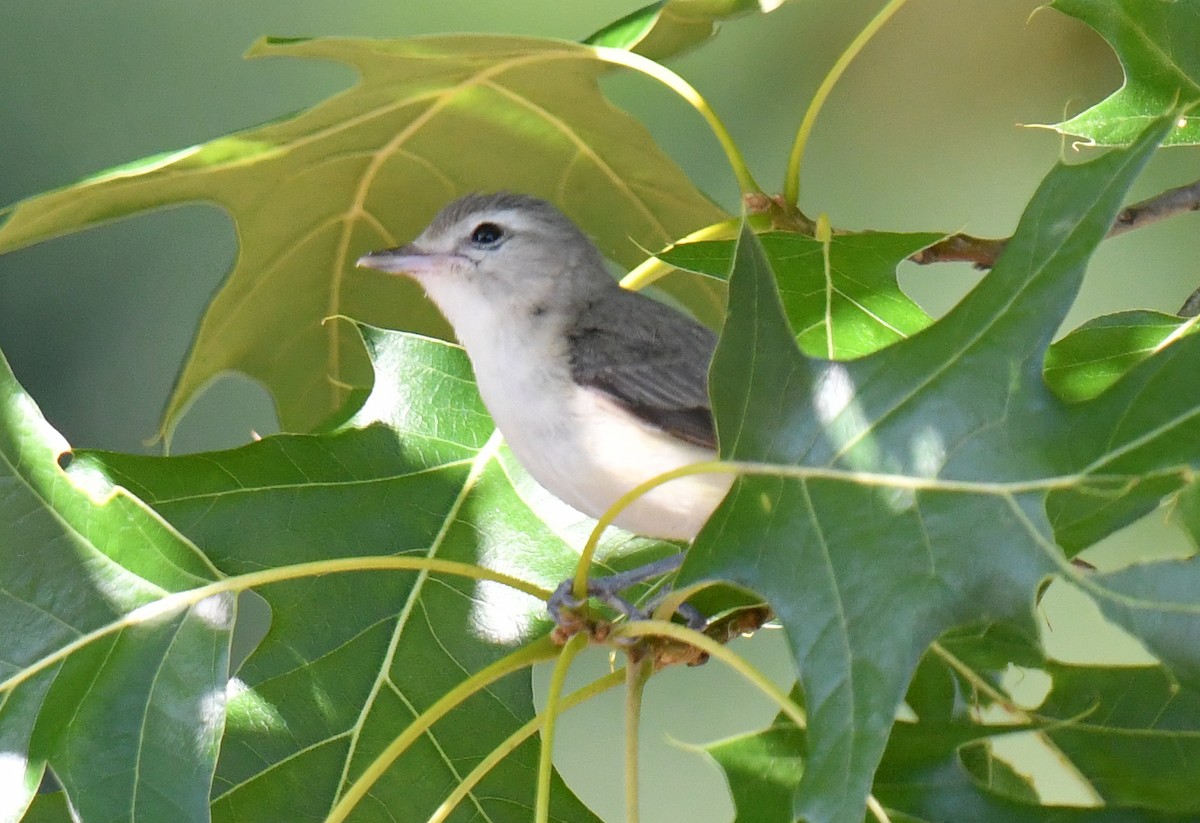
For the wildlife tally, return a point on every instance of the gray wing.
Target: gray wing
(651, 359)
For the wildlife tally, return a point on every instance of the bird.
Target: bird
(594, 387)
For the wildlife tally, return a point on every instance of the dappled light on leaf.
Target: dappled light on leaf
(965, 398)
(340, 622)
(350, 659)
(92, 610)
(844, 419)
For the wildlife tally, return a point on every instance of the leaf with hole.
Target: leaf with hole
(862, 520)
(355, 653)
(431, 118)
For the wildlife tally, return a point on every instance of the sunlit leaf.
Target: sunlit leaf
(120, 695)
(669, 27)
(1156, 43)
(351, 658)
(1094, 356)
(431, 118)
(843, 307)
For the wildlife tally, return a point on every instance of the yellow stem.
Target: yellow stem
(681, 87)
(1006, 489)
(824, 235)
(877, 811)
(663, 628)
(515, 739)
(791, 182)
(546, 759)
(179, 601)
(653, 268)
(579, 587)
(636, 676)
(543, 649)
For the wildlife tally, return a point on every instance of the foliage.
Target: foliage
(1154, 42)
(907, 489)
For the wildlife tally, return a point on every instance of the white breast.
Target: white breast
(578, 443)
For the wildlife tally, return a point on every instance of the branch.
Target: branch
(1167, 204)
(983, 252)
(962, 248)
(1191, 306)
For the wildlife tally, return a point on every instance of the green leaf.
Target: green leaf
(432, 118)
(666, 28)
(48, 808)
(1186, 513)
(1097, 354)
(941, 777)
(875, 476)
(1143, 714)
(763, 770)
(847, 307)
(351, 658)
(1127, 732)
(121, 694)
(1156, 44)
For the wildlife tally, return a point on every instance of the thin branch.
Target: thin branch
(962, 248)
(1167, 204)
(1191, 306)
(983, 252)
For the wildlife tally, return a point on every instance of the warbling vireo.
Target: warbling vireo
(595, 388)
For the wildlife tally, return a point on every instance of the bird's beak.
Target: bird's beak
(409, 260)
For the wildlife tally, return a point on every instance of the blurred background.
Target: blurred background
(922, 134)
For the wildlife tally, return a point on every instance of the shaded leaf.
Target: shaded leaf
(48, 808)
(1156, 44)
(130, 718)
(1129, 732)
(1137, 734)
(942, 780)
(1186, 513)
(350, 659)
(939, 766)
(869, 541)
(431, 119)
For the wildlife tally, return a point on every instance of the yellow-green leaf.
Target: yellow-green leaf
(430, 119)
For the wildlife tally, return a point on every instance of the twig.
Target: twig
(962, 248)
(1191, 306)
(983, 252)
(1167, 204)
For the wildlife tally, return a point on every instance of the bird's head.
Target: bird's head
(499, 252)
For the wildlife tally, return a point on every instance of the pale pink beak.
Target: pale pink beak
(409, 260)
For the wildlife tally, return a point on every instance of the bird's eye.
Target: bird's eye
(487, 234)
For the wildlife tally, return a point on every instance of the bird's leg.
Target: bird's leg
(693, 616)
(608, 591)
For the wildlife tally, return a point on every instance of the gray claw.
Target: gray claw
(607, 590)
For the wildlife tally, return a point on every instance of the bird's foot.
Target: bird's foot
(564, 606)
